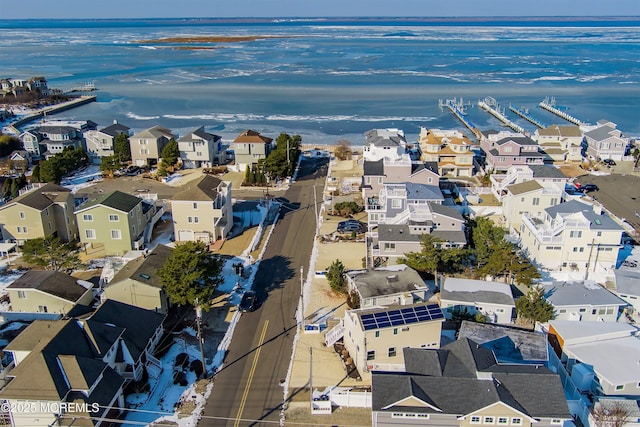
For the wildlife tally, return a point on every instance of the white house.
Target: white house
(200, 149)
(583, 300)
(384, 143)
(605, 141)
(492, 299)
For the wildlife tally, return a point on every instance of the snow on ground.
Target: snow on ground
(82, 179)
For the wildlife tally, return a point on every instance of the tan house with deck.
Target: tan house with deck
(451, 149)
(146, 146)
(39, 212)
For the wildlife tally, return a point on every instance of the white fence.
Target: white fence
(349, 398)
(19, 316)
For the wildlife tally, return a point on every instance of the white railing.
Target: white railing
(334, 334)
(401, 218)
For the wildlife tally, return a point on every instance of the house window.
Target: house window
(90, 234)
(189, 220)
(377, 334)
(395, 331)
(599, 234)
(371, 355)
(536, 201)
(22, 294)
(392, 352)
(620, 387)
(42, 309)
(516, 421)
(114, 218)
(554, 201)
(475, 419)
(195, 219)
(582, 310)
(389, 247)
(575, 234)
(488, 420)
(116, 235)
(503, 420)
(87, 217)
(396, 203)
(556, 421)
(22, 215)
(195, 205)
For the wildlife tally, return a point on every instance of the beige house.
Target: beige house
(39, 291)
(386, 171)
(572, 235)
(375, 337)
(138, 284)
(146, 146)
(202, 211)
(530, 198)
(115, 222)
(40, 211)
(462, 384)
(249, 147)
(199, 148)
(560, 143)
(87, 362)
(451, 149)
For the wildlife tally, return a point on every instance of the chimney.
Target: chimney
(597, 208)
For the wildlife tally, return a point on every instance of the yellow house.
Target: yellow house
(202, 211)
(138, 284)
(451, 149)
(40, 211)
(40, 291)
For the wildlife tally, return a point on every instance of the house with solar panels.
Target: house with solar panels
(375, 337)
(492, 299)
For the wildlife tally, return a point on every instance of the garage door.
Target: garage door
(185, 235)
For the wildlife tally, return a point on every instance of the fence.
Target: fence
(349, 398)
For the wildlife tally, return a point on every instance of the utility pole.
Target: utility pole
(311, 377)
(586, 270)
(315, 205)
(200, 339)
(301, 309)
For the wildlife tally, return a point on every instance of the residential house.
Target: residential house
(384, 144)
(39, 211)
(627, 287)
(250, 146)
(385, 171)
(451, 149)
(462, 384)
(137, 282)
(400, 286)
(605, 141)
(393, 241)
(43, 291)
(504, 149)
(583, 300)
(530, 198)
(560, 143)
(491, 299)
(201, 149)
(375, 337)
(548, 176)
(146, 146)
(86, 362)
(598, 361)
(58, 136)
(22, 160)
(31, 140)
(397, 202)
(203, 210)
(571, 235)
(99, 143)
(39, 84)
(115, 222)
(509, 344)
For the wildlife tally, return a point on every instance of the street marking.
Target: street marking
(251, 372)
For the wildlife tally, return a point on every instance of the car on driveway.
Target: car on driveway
(348, 227)
(248, 302)
(609, 162)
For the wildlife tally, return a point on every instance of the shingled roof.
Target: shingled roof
(116, 200)
(41, 198)
(252, 137)
(202, 189)
(144, 269)
(51, 282)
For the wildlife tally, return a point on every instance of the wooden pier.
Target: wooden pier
(549, 104)
(524, 113)
(457, 107)
(51, 110)
(491, 106)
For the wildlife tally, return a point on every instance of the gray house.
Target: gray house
(462, 384)
(605, 141)
(249, 147)
(402, 285)
(583, 300)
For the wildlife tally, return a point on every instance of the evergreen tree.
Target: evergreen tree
(109, 164)
(14, 188)
(335, 276)
(6, 187)
(35, 174)
(51, 254)
(534, 307)
(121, 147)
(191, 274)
(170, 153)
(485, 236)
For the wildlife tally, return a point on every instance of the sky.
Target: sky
(60, 9)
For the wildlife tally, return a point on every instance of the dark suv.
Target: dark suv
(586, 188)
(248, 302)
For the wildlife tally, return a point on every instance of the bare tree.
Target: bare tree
(610, 413)
(343, 149)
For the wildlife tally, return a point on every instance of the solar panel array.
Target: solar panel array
(402, 316)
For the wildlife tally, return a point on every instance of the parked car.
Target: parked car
(133, 170)
(609, 162)
(350, 227)
(248, 302)
(586, 188)
(349, 221)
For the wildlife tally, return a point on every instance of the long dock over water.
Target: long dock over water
(15, 126)
(524, 113)
(457, 107)
(491, 106)
(549, 104)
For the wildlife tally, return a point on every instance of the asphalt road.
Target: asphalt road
(620, 194)
(247, 391)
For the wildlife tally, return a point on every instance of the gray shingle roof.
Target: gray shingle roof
(601, 132)
(468, 290)
(524, 187)
(448, 211)
(423, 192)
(374, 283)
(42, 197)
(115, 129)
(457, 237)
(371, 168)
(520, 140)
(597, 222)
(51, 282)
(154, 132)
(144, 269)
(203, 189)
(580, 293)
(201, 134)
(396, 233)
(627, 282)
(546, 171)
(381, 138)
